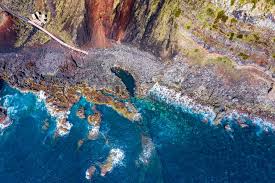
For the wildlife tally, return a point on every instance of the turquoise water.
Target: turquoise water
(180, 148)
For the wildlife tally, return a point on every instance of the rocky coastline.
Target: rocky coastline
(220, 72)
(94, 80)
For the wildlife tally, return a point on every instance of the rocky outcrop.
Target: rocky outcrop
(7, 32)
(3, 115)
(220, 84)
(5, 122)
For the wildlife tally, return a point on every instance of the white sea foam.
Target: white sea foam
(5, 124)
(12, 110)
(41, 96)
(114, 159)
(117, 157)
(263, 125)
(137, 117)
(89, 172)
(63, 127)
(148, 149)
(174, 98)
(93, 132)
(186, 104)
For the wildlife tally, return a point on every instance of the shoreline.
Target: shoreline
(205, 113)
(219, 86)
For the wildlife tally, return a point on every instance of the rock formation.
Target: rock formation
(219, 53)
(7, 32)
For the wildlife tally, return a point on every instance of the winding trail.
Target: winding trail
(42, 29)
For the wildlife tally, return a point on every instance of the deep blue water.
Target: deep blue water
(185, 149)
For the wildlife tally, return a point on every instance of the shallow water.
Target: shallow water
(166, 146)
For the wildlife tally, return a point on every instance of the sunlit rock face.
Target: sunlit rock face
(122, 18)
(108, 20)
(99, 14)
(7, 31)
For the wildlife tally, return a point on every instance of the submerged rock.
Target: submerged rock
(90, 172)
(80, 143)
(81, 113)
(4, 119)
(3, 114)
(94, 119)
(45, 125)
(114, 159)
(93, 133)
(148, 148)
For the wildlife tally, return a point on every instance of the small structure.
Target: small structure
(41, 28)
(39, 18)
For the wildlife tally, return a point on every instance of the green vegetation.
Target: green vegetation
(268, 3)
(233, 20)
(231, 36)
(224, 61)
(177, 13)
(251, 37)
(69, 15)
(188, 27)
(210, 12)
(239, 36)
(221, 16)
(243, 56)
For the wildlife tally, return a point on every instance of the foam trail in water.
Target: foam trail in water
(245, 120)
(147, 149)
(186, 104)
(170, 96)
(63, 126)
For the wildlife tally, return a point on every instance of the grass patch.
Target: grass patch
(177, 13)
(243, 56)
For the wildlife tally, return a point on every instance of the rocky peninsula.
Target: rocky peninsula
(216, 58)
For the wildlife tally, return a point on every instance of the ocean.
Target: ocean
(167, 145)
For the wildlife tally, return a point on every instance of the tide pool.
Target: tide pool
(167, 145)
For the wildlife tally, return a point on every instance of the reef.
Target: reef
(211, 57)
